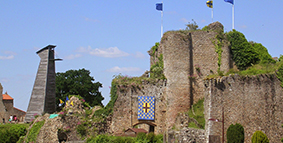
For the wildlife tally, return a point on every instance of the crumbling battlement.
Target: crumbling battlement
(255, 102)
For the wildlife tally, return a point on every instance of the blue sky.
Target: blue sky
(110, 37)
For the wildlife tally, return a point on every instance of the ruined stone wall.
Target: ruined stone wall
(125, 110)
(255, 102)
(188, 57)
(186, 135)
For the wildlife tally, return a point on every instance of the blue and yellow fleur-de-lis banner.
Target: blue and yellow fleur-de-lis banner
(146, 107)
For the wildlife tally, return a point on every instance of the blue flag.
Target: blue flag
(146, 107)
(230, 1)
(67, 98)
(159, 6)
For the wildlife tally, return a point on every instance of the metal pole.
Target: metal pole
(233, 17)
(162, 20)
(223, 124)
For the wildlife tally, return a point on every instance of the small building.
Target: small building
(134, 131)
(10, 110)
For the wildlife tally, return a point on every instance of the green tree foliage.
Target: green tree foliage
(280, 58)
(243, 53)
(280, 74)
(192, 26)
(264, 56)
(10, 133)
(259, 137)
(78, 82)
(235, 133)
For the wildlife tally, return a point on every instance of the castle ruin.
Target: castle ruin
(189, 56)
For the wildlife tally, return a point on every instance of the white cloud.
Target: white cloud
(139, 55)
(91, 20)
(112, 52)
(70, 57)
(123, 69)
(185, 20)
(9, 57)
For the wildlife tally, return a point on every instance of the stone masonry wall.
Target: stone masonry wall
(125, 110)
(188, 57)
(255, 102)
(3, 113)
(186, 135)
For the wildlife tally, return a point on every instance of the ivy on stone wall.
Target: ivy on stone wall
(156, 69)
(218, 43)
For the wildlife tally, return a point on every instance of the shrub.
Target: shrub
(264, 56)
(235, 133)
(243, 53)
(12, 132)
(259, 137)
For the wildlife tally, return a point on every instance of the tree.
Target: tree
(235, 133)
(243, 53)
(78, 82)
(264, 56)
(259, 137)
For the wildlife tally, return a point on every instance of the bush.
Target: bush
(235, 133)
(10, 133)
(264, 56)
(243, 53)
(259, 137)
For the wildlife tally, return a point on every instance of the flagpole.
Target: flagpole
(233, 17)
(162, 20)
(212, 14)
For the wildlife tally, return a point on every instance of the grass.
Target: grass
(197, 113)
(257, 69)
(32, 135)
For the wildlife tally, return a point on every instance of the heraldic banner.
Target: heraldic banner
(146, 107)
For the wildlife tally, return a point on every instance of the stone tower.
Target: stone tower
(3, 113)
(42, 99)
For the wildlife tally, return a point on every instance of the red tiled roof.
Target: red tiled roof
(7, 97)
(19, 109)
(137, 130)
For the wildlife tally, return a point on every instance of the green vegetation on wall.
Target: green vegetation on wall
(243, 53)
(156, 69)
(263, 54)
(196, 112)
(108, 109)
(235, 134)
(33, 132)
(218, 49)
(280, 73)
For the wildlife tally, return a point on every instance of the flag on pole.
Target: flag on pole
(209, 4)
(67, 98)
(61, 101)
(159, 6)
(230, 1)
